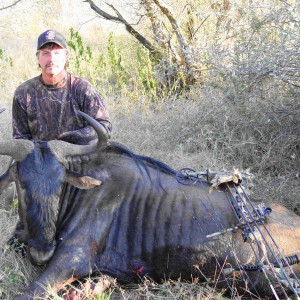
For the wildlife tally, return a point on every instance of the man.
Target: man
(45, 107)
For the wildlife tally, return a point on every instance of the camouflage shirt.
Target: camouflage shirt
(46, 112)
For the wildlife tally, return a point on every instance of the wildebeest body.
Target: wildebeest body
(130, 225)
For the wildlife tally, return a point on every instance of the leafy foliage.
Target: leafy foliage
(82, 60)
(119, 76)
(146, 75)
(110, 72)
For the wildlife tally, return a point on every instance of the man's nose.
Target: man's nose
(51, 56)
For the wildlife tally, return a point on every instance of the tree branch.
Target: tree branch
(119, 19)
(9, 6)
(190, 65)
(102, 13)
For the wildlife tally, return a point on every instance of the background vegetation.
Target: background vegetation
(241, 110)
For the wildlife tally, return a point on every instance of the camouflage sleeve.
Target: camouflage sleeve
(92, 104)
(19, 119)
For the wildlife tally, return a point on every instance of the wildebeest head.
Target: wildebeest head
(39, 172)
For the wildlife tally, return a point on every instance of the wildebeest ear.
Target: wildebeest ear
(81, 181)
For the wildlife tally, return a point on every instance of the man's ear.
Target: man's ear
(81, 181)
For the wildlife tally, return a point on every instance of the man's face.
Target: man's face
(52, 59)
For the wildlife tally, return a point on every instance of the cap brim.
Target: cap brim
(48, 42)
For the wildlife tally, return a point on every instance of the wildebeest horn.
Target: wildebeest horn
(100, 130)
(17, 149)
(63, 149)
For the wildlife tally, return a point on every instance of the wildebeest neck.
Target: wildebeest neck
(41, 175)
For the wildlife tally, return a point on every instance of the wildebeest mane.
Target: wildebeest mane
(141, 160)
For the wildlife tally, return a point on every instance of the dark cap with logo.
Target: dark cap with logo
(51, 36)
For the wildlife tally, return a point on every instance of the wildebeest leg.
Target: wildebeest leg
(63, 269)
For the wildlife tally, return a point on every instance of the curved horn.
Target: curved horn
(63, 149)
(18, 149)
(99, 128)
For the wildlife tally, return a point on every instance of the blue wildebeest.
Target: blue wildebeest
(128, 216)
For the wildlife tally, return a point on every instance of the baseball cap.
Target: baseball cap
(51, 36)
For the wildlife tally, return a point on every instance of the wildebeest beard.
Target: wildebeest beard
(41, 176)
